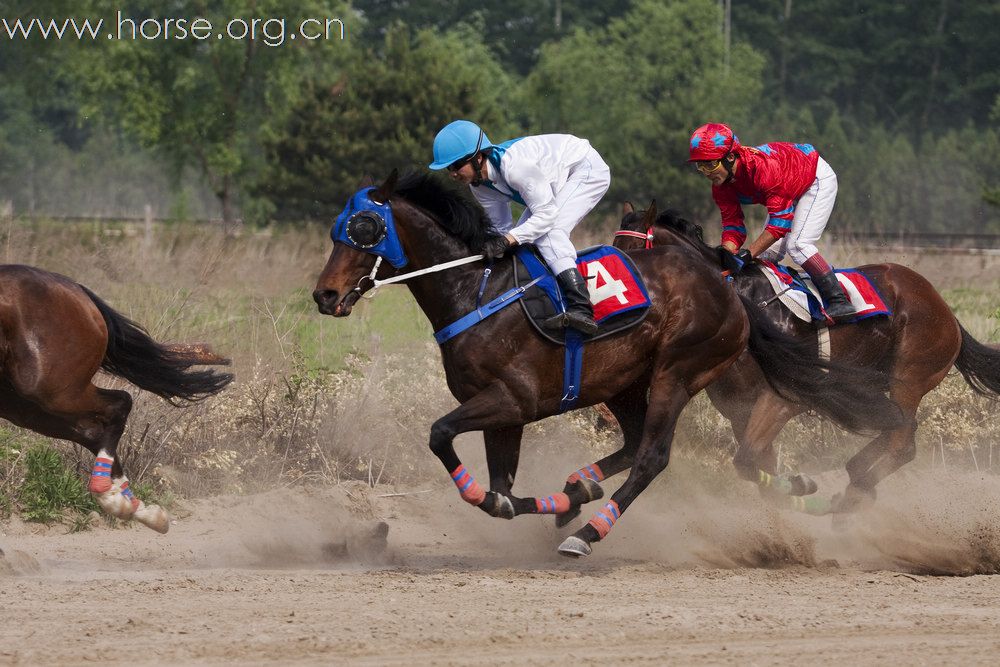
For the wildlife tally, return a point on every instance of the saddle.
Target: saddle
(797, 293)
(616, 288)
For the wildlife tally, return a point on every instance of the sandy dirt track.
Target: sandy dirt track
(686, 578)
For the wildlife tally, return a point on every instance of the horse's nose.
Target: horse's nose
(326, 299)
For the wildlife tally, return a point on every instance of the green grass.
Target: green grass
(389, 322)
(50, 488)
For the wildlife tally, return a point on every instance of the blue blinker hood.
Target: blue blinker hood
(367, 225)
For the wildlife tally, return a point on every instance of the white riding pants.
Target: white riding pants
(584, 188)
(812, 212)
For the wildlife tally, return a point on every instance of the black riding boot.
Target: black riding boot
(579, 311)
(839, 309)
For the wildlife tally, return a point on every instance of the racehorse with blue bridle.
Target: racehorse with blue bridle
(426, 233)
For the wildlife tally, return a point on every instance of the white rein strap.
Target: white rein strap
(413, 274)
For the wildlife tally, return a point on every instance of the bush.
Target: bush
(51, 488)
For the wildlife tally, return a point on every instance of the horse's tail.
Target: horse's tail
(852, 396)
(979, 364)
(160, 369)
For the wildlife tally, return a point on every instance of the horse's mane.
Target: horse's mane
(451, 204)
(674, 221)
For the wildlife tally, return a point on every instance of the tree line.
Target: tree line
(903, 99)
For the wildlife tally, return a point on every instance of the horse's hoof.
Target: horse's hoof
(592, 490)
(853, 499)
(497, 505)
(567, 516)
(802, 485)
(153, 516)
(574, 547)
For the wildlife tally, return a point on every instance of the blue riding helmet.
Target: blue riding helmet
(456, 140)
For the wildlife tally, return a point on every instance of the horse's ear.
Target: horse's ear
(366, 182)
(650, 214)
(385, 190)
(627, 208)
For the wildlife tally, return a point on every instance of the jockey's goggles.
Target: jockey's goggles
(458, 164)
(708, 167)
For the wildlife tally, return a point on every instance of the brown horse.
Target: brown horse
(912, 350)
(505, 375)
(54, 336)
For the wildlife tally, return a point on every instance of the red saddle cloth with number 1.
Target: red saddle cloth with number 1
(617, 290)
(797, 293)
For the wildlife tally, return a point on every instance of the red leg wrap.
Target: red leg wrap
(556, 504)
(467, 485)
(127, 492)
(592, 472)
(605, 518)
(100, 478)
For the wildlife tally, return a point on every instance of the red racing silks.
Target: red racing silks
(591, 472)
(100, 478)
(556, 504)
(467, 485)
(605, 518)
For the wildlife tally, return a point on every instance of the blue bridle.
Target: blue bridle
(367, 225)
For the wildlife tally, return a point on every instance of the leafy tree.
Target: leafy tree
(637, 90)
(204, 103)
(39, 99)
(991, 195)
(513, 30)
(914, 66)
(382, 113)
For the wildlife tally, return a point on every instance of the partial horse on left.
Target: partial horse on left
(54, 336)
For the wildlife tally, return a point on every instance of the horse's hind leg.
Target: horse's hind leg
(883, 455)
(95, 419)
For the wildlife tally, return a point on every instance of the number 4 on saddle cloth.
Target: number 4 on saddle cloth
(616, 288)
(617, 293)
(797, 293)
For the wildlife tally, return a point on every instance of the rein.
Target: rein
(648, 236)
(406, 276)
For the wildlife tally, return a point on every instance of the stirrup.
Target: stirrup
(582, 323)
(556, 322)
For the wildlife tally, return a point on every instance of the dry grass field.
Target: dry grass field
(277, 488)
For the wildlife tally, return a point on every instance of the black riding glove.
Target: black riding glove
(496, 247)
(733, 263)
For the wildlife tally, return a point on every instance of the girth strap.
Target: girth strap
(479, 314)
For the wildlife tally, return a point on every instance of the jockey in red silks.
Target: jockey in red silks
(796, 185)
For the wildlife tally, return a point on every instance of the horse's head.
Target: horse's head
(645, 229)
(636, 229)
(365, 247)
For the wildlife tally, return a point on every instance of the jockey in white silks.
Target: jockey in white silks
(558, 178)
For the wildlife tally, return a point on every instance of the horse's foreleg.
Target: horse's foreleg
(494, 412)
(667, 399)
(503, 450)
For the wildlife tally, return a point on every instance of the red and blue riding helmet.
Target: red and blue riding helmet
(712, 141)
